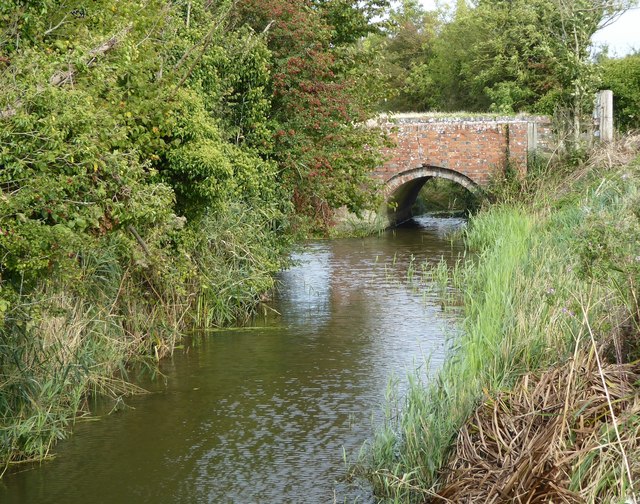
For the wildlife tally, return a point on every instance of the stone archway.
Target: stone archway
(401, 191)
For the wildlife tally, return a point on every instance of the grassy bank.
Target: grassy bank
(556, 279)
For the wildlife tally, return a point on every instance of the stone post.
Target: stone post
(532, 138)
(604, 114)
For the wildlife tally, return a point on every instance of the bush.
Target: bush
(622, 76)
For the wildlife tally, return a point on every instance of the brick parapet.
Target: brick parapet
(477, 147)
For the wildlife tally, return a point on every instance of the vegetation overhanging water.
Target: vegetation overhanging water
(157, 156)
(267, 412)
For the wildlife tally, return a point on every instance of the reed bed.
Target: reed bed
(408, 451)
(86, 334)
(548, 438)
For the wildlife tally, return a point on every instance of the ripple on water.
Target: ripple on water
(263, 415)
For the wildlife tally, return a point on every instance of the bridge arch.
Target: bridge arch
(401, 191)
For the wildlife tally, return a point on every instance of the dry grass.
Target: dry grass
(619, 153)
(557, 263)
(551, 438)
(605, 157)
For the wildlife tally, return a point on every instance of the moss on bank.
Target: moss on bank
(554, 267)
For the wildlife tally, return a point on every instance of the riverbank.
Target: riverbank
(73, 338)
(156, 164)
(555, 286)
(264, 412)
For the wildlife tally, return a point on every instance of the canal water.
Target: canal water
(267, 413)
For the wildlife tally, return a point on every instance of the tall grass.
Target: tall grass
(59, 344)
(412, 447)
(81, 334)
(236, 259)
(536, 265)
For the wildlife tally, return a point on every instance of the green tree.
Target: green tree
(350, 21)
(320, 105)
(622, 76)
(405, 46)
(445, 81)
(511, 56)
(135, 185)
(571, 25)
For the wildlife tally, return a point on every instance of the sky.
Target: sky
(622, 36)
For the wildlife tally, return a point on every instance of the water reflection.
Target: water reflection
(262, 414)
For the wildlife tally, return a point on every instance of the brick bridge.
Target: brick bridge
(469, 151)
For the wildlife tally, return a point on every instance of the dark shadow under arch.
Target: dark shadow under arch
(401, 190)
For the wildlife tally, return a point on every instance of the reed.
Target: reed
(87, 332)
(77, 346)
(413, 445)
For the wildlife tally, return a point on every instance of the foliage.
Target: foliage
(404, 46)
(350, 21)
(492, 55)
(236, 253)
(323, 94)
(150, 153)
(622, 76)
(442, 195)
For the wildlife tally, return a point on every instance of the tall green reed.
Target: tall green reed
(522, 295)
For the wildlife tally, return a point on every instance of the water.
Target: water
(264, 414)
